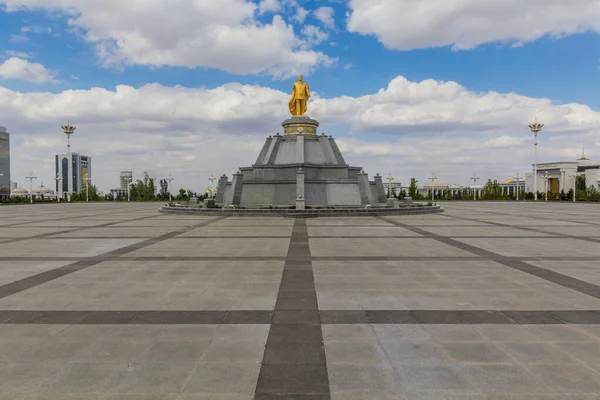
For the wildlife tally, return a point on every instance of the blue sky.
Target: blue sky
(464, 120)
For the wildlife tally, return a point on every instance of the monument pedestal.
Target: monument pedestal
(302, 169)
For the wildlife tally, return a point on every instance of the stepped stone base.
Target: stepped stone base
(300, 169)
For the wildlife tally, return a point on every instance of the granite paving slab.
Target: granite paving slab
(496, 300)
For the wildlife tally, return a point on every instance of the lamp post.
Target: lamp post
(432, 178)
(475, 178)
(31, 177)
(87, 188)
(58, 180)
(575, 175)
(545, 177)
(129, 181)
(390, 179)
(169, 179)
(517, 189)
(535, 129)
(69, 130)
(212, 179)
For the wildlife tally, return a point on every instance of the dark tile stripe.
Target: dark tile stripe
(536, 217)
(295, 337)
(556, 234)
(560, 279)
(294, 365)
(316, 258)
(471, 317)
(135, 317)
(36, 280)
(148, 258)
(550, 236)
(62, 218)
(72, 230)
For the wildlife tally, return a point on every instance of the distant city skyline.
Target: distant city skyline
(400, 92)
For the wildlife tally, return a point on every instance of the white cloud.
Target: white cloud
(300, 15)
(15, 53)
(221, 34)
(408, 128)
(465, 24)
(18, 68)
(36, 29)
(325, 15)
(314, 35)
(266, 6)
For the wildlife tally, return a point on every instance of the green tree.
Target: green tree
(580, 182)
(182, 195)
(143, 190)
(491, 191)
(164, 189)
(592, 193)
(412, 188)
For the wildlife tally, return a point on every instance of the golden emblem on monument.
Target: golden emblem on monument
(300, 95)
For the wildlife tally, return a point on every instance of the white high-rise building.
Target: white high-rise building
(74, 169)
(4, 164)
(125, 178)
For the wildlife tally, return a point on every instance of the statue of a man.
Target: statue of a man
(300, 96)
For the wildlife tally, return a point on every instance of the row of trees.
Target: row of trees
(140, 190)
(493, 191)
(145, 190)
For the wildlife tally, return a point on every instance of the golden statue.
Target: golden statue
(300, 96)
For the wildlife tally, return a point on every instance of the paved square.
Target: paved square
(485, 301)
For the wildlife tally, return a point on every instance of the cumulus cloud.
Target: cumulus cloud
(221, 34)
(314, 35)
(301, 14)
(18, 68)
(16, 53)
(266, 6)
(407, 128)
(465, 24)
(325, 15)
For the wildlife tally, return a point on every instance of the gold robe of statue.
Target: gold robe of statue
(300, 95)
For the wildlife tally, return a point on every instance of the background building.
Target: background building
(75, 169)
(13, 185)
(511, 186)
(125, 178)
(19, 192)
(4, 164)
(561, 177)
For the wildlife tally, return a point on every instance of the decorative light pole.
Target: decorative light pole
(31, 177)
(545, 177)
(432, 178)
(169, 179)
(129, 182)
(390, 179)
(87, 188)
(535, 129)
(58, 180)
(212, 179)
(69, 130)
(517, 189)
(475, 178)
(574, 176)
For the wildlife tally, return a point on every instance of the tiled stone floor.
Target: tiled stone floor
(485, 301)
